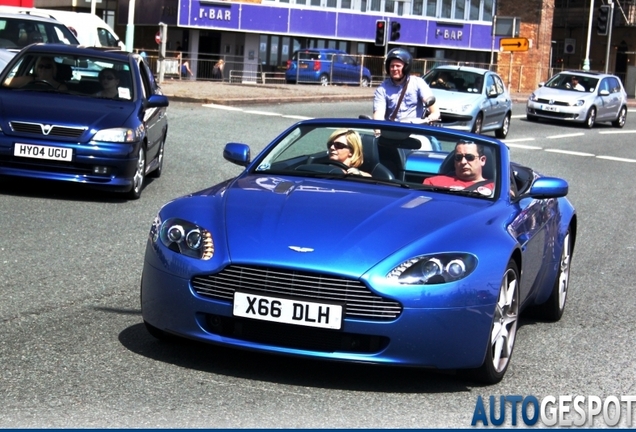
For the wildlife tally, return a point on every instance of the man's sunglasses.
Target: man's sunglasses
(469, 157)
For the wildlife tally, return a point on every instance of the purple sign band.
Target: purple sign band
(332, 24)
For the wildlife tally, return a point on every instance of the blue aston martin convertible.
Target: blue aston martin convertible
(364, 241)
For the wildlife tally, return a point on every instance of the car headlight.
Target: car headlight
(460, 109)
(122, 135)
(434, 269)
(533, 97)
(183, 237)
(579, 102)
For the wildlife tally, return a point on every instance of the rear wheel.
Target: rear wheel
(621, 118)
(552, 310)
(503, 330)
(591, 118)
(479, 120)
(324, 80)
(139, 176)
(366, 82)
(505, 127)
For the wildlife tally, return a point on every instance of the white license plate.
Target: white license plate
(43, 152)
(286, 311)
(550, 108)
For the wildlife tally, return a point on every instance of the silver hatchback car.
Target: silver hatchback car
(582, 97)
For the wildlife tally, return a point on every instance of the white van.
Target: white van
(90, 29)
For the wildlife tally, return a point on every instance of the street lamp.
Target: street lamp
(586, 62)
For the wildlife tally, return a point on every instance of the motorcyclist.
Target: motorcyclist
(398, 65)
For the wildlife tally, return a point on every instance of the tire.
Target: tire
(324, 80)
(552, 310)
(503, 330)
(140, 175)
(156, 173)
(590, 119)
(621, 118)
(505, 127)
(532, 118)
(366, 82)
(479, 120)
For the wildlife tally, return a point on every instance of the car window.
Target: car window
(457, 80)
(18, 33)
(403, 158)
(614, 84)
(78, 75)
(106, 38)
(605, 85)
(563, 81)
(499, 85)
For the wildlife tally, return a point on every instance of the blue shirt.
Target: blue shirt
(412, 106)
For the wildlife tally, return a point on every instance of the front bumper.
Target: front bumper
(443, 338)
(556, 111)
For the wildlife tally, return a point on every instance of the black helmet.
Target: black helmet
(402, 55)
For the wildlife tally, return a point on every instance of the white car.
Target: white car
(599, 98)
(471, 99)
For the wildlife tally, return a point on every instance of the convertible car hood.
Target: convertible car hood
(350, 225)
(55, 108)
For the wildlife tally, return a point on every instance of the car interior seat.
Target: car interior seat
(371, 159)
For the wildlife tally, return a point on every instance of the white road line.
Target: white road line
(618, 132)
(222, 107)
(297, 117)
(518, 116)
(568, 152)
(265, 113)
(613, 158)
(524, 146)
(565, 135)
(631, 110)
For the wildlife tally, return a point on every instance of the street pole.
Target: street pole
(586, 62)
(130, 28)
(609, 34)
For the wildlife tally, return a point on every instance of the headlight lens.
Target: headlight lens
(533, 97)
(183, 237)
(434, 269)
(121, 135)
(578, 103)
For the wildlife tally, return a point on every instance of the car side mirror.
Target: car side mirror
(430, 101)
(604, 93)
(237, 153)
(541, 84)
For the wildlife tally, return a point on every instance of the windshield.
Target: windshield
(16, 33)
(572, 82)
(408, 158)
(455, 80)
(80, 75)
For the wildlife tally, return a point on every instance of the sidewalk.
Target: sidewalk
(223, 93)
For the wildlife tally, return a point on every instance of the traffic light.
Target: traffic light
(602, 20)
(380, 32)
(395, 30)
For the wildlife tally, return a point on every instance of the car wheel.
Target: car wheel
(139, 177)
(591, 118)
(366, 82)
(505, 127)
(532, 118)
(479, 120)
(621, 118)
(503, 330)
(552, 310)
(156, 173)
(324, 80)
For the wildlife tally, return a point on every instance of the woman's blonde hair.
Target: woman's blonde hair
(354, 142)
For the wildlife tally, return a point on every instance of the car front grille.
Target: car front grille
(359, 301)
(556, 115)
(553, 102)
(47, 130)
(290, 336)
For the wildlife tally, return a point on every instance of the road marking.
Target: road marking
(265, 113)
(222, 107)
(613, 158)
(518, 116)
(524, 146)
(565, 135)
(617, 132)
(568, 152)
(297, 117)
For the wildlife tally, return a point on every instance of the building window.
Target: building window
(389, 6)
(487, 14)
(332, 3)
(474, 10)
(460, 6)
(447, 9)
(375, 5)
(418, 7)
(345, 4)
(431, 8)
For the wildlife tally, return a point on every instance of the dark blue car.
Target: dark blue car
(82, 115)
(326, 66)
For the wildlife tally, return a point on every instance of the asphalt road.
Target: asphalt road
(74, 352)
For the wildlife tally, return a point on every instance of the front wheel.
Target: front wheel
(591, 118)
(502, 132)
(139, 176)
(478, 124)
(503, 330)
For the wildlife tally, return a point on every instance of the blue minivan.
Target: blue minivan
(326, 66)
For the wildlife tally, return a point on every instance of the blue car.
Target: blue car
(59, 123)
(300, 255)
(326, 66)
